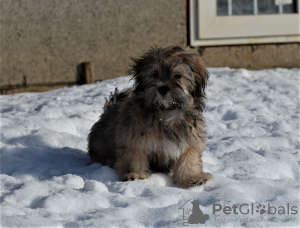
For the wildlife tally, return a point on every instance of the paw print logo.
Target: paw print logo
(261, 209)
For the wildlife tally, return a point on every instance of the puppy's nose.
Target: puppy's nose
(163, 90)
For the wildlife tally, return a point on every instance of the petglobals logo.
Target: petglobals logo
(251, 209)
(242, 213)
(192, 213)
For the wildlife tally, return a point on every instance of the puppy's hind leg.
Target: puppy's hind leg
(132, 165)
(187, 170)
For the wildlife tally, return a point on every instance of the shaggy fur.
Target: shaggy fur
(157, 125)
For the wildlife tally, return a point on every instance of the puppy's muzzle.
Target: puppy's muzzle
(163, 90)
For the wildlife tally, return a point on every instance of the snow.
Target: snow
(252, 151)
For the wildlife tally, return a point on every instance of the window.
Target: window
(225, 22)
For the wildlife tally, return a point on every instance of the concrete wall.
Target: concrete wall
(43, 41)
(253, 57)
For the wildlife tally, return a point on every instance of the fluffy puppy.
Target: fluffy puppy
(157, 125)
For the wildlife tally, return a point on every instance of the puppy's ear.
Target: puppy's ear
(136, 68)
(201, 77)
(139, 65)
(200, 73)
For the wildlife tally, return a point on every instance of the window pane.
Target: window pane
(242, 7)
(290, 8)
(222, 7)
(267, 7)
(246, 7)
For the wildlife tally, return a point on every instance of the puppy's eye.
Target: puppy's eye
(177, 76)
(155, 76)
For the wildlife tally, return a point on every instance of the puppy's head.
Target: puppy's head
(169, 78)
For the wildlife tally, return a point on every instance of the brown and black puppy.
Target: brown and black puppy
(158, 124)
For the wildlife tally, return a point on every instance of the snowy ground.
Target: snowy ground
(252, 152)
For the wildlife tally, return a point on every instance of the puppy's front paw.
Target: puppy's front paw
(203, 178)
(136, 176)
(194, 181)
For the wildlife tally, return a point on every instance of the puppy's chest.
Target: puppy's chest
(160, 138)
(154, 142)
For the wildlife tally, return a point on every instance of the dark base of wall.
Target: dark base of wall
(5, 90)
(85, 75)
(253, 57)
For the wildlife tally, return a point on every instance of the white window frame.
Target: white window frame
(207, 29)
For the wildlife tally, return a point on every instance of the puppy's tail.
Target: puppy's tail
(115, 97)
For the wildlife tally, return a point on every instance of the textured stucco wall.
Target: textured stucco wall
(45, 40)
